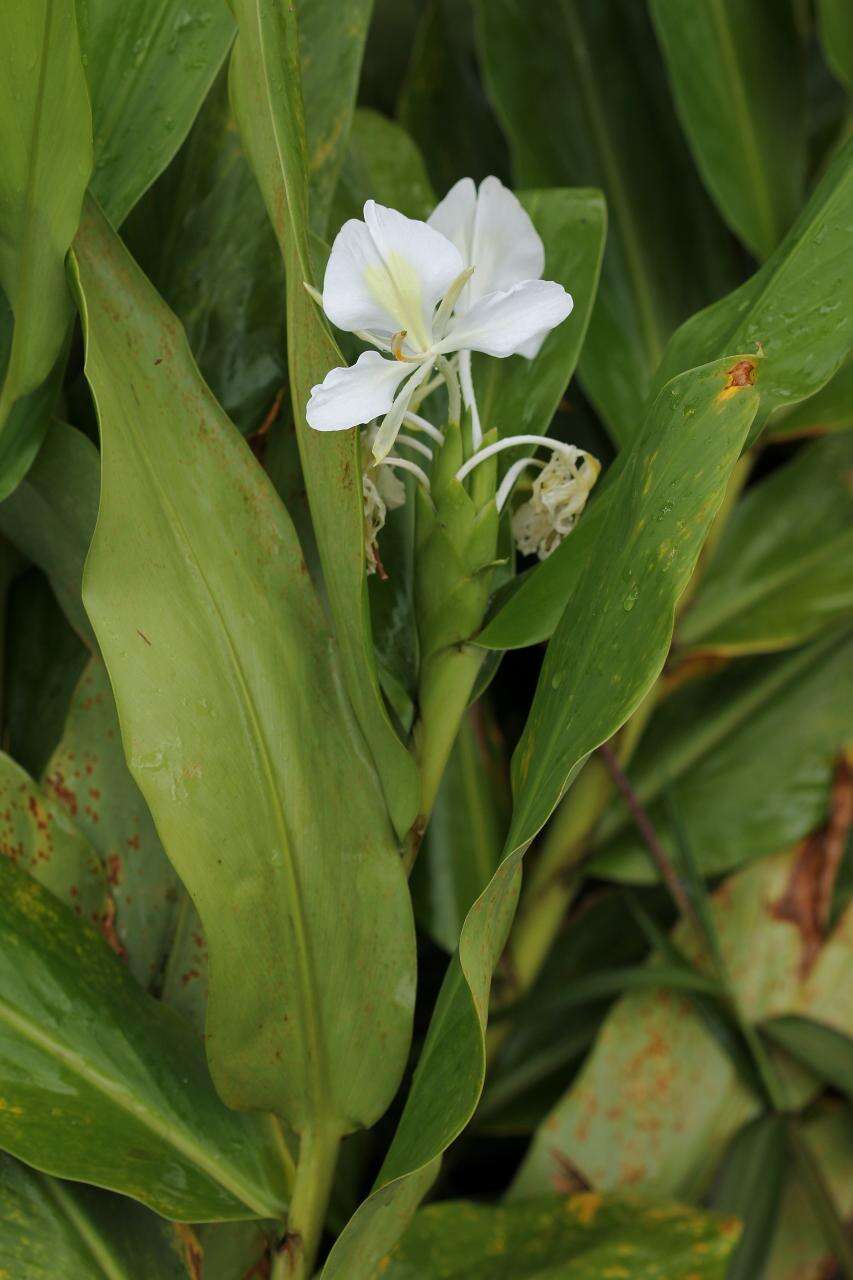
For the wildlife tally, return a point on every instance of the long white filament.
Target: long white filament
(417, 445)
(404, 465)
(469, 397)
(508, 482)
(512, 442)
(421, 424)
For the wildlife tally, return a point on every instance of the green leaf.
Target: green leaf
(561, 74)
(738, 76)
(51, 515)
(520, 395)
(331, 46)
(203, 238)
(46, 141)
(265, 88)
(442, 102)
(43, 662)
(778, 576)
(50, 1228)
(825, 1051)
(750, 1187)
(745, 784)
(37, 834)
(830, 409)
(580, 1238)
(463, 841)
(800, 1248)
(149, 67)
(103, 1084)
(88, 778)
(241, 682)
(604, 660)
(382, 163)
(798, 308)
(187, 973)
(836, 33)
(664, 1132)
(611, 644)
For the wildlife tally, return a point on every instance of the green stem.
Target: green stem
(318, 1153)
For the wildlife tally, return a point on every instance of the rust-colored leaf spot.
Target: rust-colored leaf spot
(143, 636)
(807, 899)
(108, 929)
(741, 374)
(567, 1180)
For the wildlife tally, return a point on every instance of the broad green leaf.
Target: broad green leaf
(584, 1237)
(203, 238)
(658, 1099)
(825, 1051)
(51, 515)
(611, 644)
(265, 89)
(605, 658)
(234, 1250)
(463, 841)
(579, 89)
(46, 142)
(746, 784)
(43, 662)
(382, 163)
(102, 1084)
(798, 307)
(37, 834)
(830, 409)
(331, 44)
(520, 395)
(50, 1228)
(187, 973)
(237, 728)
(800, 1248)
(750, 1187)
(88, 778)
(780, 573)
(442, 102)
(149, 65)
(738, 75)
(836, 33)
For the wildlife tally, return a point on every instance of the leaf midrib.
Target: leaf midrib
(95, 1245)
(169, 1133)
(746, 125)
(617, 197)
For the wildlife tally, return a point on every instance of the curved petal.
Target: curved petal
(350, 396)
(504, 324)
(494, 234)
(386, 435)
(386, 274)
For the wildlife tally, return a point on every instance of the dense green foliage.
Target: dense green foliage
(378, 903)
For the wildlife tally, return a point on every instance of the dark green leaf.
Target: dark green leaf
(149, 64)
(382, 163)
(46, 142)
(798, 308)
(780, 573)
(738, 76)
(51, 515)
(442, 102)
(50, 1228)
(746, 784)
(822, 1049)
(750, 1188)
(583, 1238)
(579, 88)
(836, 31)
(103, 1084)
(830, 409)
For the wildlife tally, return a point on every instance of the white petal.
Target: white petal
(347, 397)
(386, 274)
(494, 234)
(506, 248)
(454, 216)
(390, 426)
(532, 348)
(502, 324)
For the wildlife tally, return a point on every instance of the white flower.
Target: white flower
(559, 496)
(400, 284)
